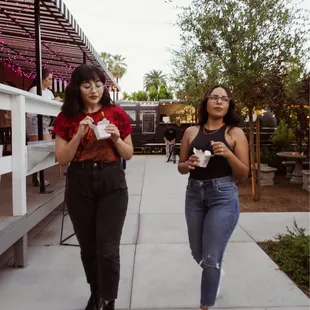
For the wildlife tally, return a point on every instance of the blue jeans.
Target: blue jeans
(212, 213)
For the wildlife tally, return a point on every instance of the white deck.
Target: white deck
(21, 206)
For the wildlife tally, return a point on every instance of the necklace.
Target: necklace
(211, 132)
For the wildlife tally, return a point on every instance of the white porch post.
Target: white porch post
(19, 158)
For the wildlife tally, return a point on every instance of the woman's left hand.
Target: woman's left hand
(113, 130)
(220, 149)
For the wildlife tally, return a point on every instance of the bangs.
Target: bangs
(86, 73)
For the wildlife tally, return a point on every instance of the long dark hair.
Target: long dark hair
(73, 103)
(45, 74)
(231, 119)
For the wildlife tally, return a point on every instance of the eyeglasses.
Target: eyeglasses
(88, 87)
(215, 98)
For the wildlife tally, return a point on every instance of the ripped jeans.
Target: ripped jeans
(212, 213)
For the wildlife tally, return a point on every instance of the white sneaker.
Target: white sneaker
(45, 182)
(219, 288)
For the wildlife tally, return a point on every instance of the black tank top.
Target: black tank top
(218, 166)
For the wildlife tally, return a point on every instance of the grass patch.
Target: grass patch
(290, 252)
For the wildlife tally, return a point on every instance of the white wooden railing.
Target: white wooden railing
(20, 102)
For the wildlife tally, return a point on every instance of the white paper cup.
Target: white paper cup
(101, 133)
(203, 160)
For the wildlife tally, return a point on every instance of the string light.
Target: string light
(17, 70)
(25, 45)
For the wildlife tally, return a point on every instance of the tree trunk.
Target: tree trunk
(257, 196)
(252, 156)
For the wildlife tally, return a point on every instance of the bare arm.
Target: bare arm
(239, 159)
(65, 150)
(124, 147)
(186, 164)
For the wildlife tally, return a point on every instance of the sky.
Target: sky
(142, 31)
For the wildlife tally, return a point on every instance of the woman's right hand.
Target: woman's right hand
(193, 162)
(84, 126)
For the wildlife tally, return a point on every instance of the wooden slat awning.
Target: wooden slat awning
(63, 41)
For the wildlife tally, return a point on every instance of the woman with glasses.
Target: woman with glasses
(212, 204)
(96, 189)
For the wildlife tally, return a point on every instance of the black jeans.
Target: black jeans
(97, 199)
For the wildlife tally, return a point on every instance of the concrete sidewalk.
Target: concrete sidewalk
(157, 270)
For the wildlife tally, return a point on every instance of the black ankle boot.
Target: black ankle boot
(110, 305)
(94, 302)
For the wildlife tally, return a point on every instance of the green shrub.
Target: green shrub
(283, 137)
(291, 254)
(267, 155)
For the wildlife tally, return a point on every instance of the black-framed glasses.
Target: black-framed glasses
(215, 98)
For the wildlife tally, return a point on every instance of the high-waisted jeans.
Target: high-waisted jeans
(97, 198)
(212, 213)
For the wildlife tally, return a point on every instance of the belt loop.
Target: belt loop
(214, 183)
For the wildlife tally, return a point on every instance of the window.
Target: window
(148, 123)
(132, 116)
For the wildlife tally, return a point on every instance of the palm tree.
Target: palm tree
(154, 79)
(116, 65)
(107, 59)
(119, 67)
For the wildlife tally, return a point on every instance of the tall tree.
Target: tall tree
(126, 96)
(245, 40)
(119, 67)
(107, 59)
(193, 73)
(115, 64)
(164, 92)
(140, 95)
(154, 78)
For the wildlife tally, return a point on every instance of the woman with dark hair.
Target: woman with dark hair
(32, 119)
(212, 204)
(96, 190)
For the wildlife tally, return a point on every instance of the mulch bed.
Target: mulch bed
(281, 197)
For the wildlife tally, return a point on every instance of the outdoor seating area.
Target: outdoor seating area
(143, 175)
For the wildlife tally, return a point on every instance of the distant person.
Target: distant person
(212, 203)
(32, 119)
(170, 135)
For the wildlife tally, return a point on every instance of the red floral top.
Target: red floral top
(90, 148)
